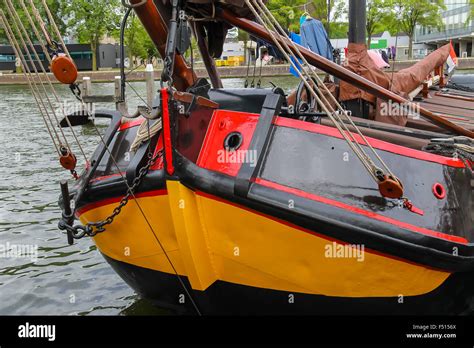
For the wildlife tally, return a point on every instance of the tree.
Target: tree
(135, 36)
(471, 15)
(92, 19)
(328, 12)
(410, 13)
(244, 36)
(378, 14)
(287, 12)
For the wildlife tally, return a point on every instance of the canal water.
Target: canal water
(58, 278)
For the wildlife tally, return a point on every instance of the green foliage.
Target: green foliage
(378, 17)
(92, 20)
(287, 12)
(410, 13)
(471, 15)
(338, 30)
(135, 38)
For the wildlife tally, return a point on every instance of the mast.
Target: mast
(357, 21)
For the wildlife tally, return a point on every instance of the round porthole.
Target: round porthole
(233, 141)
(439, 191)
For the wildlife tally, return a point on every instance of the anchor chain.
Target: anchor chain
(91, 229)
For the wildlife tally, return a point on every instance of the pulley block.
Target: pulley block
(391, 187)
(68, 160)
(64, 69)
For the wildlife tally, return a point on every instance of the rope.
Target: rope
(53, 23)
(145, 133)
(16, 19)
(112, 157)
(33, 87)
(33, 26)
(458, 87)
(340, 125)
(36, 71)
(309, 87)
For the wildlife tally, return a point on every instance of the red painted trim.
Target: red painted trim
(99, 178)
(131, 124)
(376, 143)
(296, 227)
(359, 211)
(167, 133)
(107, 201)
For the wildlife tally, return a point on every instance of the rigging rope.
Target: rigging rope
(33, 87)
(25, 47)
(306, 69)
(21, 34)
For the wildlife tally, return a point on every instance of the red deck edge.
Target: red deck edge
(107, 201)
(360, 211)
(131, 124)
(376, 143)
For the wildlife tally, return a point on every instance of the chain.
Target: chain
(91, 229)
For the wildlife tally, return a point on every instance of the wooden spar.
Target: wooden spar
(341, 73)
(155, 21)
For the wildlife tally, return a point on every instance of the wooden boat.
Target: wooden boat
(238, 206)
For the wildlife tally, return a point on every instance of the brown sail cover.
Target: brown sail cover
(402, 83)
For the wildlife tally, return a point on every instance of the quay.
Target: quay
(225, 72)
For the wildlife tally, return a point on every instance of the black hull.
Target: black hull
(454, 296)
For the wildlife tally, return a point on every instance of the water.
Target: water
(64, 280)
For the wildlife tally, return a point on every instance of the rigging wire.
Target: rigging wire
(25, 47)
(365, 157)
(55, 27)
(309, 87)
(19, 25)
(32, 84)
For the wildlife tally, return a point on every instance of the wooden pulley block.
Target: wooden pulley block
(391, 187)
(64, 69)
(68, 160)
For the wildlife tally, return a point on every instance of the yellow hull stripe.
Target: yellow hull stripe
(209, 240)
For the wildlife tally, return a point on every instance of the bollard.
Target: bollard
(86, 92)
(150, 84)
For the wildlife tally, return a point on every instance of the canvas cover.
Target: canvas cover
(402, 82)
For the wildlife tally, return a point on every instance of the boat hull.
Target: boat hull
(235, 260)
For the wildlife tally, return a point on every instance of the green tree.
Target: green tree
(471, 15)
(410, 13)
(378, 15)
(244, 36)
(328, 12)
(135, 36)
(92, 20)
(287, 12)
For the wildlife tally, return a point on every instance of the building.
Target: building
(457, 29)
(108, 56)
(384, 40)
